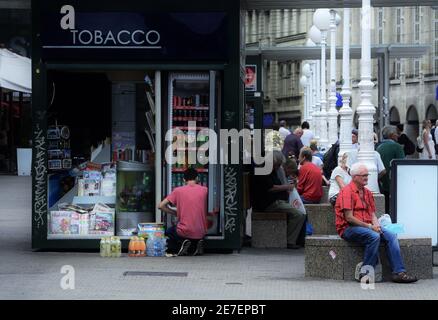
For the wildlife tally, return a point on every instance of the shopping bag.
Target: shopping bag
(296, 202)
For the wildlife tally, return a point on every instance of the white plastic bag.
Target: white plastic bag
(385, 220)
(296, 202)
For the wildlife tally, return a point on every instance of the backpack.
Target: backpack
(330, 160)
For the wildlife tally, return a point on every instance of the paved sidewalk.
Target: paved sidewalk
(252, 274)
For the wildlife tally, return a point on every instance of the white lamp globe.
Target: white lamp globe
(315, 35)
(303, 81)
(310, 43)
(306, 70)
(338, 19)
(321, 19)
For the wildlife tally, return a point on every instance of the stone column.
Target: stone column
(366, 109)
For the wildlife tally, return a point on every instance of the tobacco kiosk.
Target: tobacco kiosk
(110, 79)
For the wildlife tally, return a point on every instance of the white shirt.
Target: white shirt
(352, 158)
(317, 161)
(306, 137)
(283, 132)
(334, 186)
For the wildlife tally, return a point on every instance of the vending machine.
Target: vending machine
(193, 115)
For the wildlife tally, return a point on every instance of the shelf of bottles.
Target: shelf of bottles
(190, 106)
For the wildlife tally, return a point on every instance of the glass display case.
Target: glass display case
(135, 196)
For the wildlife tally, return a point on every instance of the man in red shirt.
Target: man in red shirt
(191, 203)
(309, 178)
(356, 221)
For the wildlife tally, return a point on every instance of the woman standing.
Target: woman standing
(428, 152)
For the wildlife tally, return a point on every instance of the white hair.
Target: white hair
(356, 168)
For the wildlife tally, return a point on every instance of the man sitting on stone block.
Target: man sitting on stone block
(356, 222)
(271, 194)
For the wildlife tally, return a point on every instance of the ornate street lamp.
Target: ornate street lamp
(314, 39)
(313, 89)
(366, 108)
(321, 19)
(346, 113)
(307, 73)
(332, 115)
(304, 84)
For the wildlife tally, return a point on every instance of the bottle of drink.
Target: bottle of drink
(119, 247)
(150, 246)
(102, 247)
(108, 247)
(131, 248)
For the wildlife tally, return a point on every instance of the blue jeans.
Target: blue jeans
(371, 240)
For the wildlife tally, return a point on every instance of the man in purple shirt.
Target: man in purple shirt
(292, 144)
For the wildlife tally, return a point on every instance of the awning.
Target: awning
(314, 4)
(394, 51)
(15, 72)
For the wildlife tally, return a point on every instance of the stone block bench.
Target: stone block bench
(269, 230)
(331, 257)
(321, 217)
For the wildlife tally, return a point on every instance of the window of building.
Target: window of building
(398, 26)
(397, 68)
(267, 23)
(416, 68)
(417, 25)
(380, 26)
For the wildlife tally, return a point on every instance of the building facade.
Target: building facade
(413, 82)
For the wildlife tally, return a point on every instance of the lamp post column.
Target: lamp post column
(321, 20)
(332, 114)
(304, 84)
(311, 89)
(317, 110)
(366, 109)
(346, 113)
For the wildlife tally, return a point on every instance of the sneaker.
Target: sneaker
(184, 248)
(357, 271)
(403, 277)
(199, 251)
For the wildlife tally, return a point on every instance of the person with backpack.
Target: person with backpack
(330, 160)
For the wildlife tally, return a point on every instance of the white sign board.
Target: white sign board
(417, 199)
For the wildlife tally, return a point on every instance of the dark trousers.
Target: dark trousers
(175, 241)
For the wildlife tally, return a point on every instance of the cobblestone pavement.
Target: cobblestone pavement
(251, 274)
